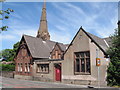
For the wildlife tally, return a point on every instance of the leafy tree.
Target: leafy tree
(10, 53)
(113, 77)
(7, 53)
(4, 14)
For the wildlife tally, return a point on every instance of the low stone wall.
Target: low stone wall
(23, 77)
(32, 78)
(42, 79)
(9, 74)
(84, 82)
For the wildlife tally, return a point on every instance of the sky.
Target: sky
(64, 20)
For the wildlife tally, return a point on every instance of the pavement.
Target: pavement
(18, 83)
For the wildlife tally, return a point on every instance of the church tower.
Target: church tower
(43, 28)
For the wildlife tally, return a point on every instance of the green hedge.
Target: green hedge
(7, 67)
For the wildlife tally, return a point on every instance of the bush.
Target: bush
(7, 67)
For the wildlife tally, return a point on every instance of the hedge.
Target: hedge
(7, 67)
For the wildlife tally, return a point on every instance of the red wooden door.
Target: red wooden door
(58, 73)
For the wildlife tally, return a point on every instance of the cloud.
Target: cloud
(61, 28)
(15, 15)
(20, 32)
(76, 8)
(97, 20)
(8, 37)
(61, 37)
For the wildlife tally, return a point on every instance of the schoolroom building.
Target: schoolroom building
(39, 58)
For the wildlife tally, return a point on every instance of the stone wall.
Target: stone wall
(9, 74)
(23, 77)
(84, 82)
(42, 79)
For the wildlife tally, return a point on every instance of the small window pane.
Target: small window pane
(77, 65)
(88, 65)
(87, 54)
(77, 54)
(82, 65)
(82, 55)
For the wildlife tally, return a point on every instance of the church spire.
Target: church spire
(43, 28)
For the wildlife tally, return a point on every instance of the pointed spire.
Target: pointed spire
(43, 28)
(44, 5)
(43, 16)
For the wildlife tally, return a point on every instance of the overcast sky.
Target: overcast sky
(64, 20)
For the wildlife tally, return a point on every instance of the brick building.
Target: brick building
(39, 58)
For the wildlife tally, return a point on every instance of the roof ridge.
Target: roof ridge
(56, 42)
(29, 36)
(46, 40)
(94, 35)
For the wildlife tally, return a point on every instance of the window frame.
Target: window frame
(85, 61)
(42, 72)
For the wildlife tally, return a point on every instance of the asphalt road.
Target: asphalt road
(17, 83)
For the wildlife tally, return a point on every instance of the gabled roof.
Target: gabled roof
(100, 42)
(40, 48)
(61, 46)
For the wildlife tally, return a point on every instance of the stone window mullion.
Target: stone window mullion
(85, 62)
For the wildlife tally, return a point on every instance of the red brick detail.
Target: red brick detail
(22, 58)
(56, 53)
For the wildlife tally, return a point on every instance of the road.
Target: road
(17, 83)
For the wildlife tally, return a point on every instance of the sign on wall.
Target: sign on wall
(97, 61)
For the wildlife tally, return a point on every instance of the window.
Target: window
(77, 65)
(53, 56)
(25, 67)
(18, 67)
(28, 67)
(82, 62)
(56, 54)
(43, 68)
(59, 56)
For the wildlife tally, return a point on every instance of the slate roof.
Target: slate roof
(62, 46)
(39, 48)
(102, 42)
(108, 40)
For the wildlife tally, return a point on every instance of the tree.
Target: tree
(9, 54)
(4, 15)
(113, 72)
